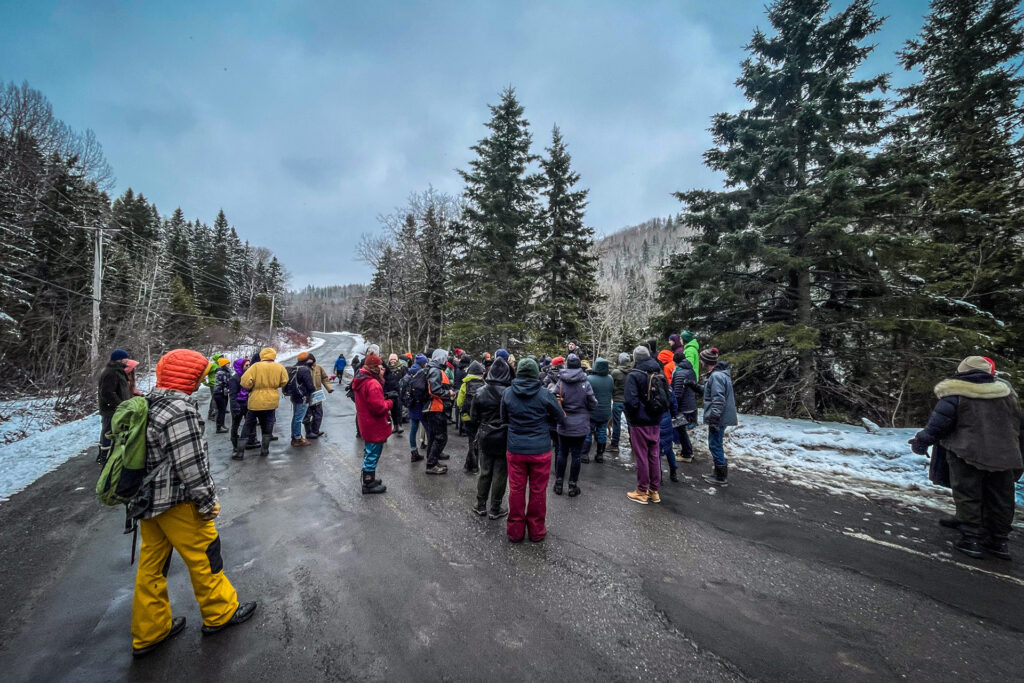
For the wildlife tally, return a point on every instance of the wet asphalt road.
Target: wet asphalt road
(756, 581)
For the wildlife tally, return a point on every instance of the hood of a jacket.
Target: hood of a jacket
(476, 368)
(665, 357)
(362, 376)
(692, 343)
(722, 366)
(674, 338)
(439, 359)
(600, 366)
(572, 375)
(974, 384)
(525, 387)
(648, 365)
(239, 365)
(499, 372)
(268, 354)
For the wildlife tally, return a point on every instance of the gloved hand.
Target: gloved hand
(212, 514)
(711, 422)
(918, 447)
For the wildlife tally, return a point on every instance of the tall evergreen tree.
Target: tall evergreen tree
(962, 136)
(216, 291)
(566, 272)
(499, 221)
(783, 267)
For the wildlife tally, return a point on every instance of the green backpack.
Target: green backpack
(125, 470)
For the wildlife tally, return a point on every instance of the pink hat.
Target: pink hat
(130, 364)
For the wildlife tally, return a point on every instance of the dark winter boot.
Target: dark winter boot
(613, 446)
(599, 457)
(416, 457)
(969, 546)
(719, 477)
(265, 445)
(234, 442)
(239, 453)
(949, 522)
(574, 490)
(558, 486)
(674, 474)
(372, 485)
(252, 444)
(481, 507)
(997, 545)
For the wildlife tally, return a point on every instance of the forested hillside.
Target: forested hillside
(327, 309)
(166, 281)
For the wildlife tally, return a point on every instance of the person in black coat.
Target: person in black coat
(485, 411)
(978, 423)
(113, 387)
(394, 371)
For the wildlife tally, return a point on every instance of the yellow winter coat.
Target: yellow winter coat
(263, 380)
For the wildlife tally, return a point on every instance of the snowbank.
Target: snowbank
(33, 444)
(837, 458)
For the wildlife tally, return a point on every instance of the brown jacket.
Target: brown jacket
(987, 427)
(321, 380)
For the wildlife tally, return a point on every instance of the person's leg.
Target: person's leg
(441, 436)
(576, 453)
(222, 407)
(587, 440)
(266, 419)
(236, 420)
(414, 428)
(617, 409)
(499, 481)
(101, 456)
(371, 456)
(639, 445)
(198, 544)
(318, 417)
(151, 606)
(968, 484)
(483, 479)
(654, 458)
(249, 419)
(684, 440)
(298, 412)
(396, 417)
(539, 472)
(471, 457)
(716, 446)
(998, 501)
(515, 526)
(429, 427)
(561, 459)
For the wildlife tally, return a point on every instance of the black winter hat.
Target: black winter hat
(573, 362)
(678, 357)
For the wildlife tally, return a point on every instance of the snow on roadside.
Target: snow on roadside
(838, 458)
(36, 446)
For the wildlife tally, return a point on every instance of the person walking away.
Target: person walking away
(414, 403)
(619, 374)
(210, 382)
(393, 374)
(719, 411)
(691, 349)
(262, 381)
(485, 412)
(113, 387)
(238, 402)
(576, 397)
(374, 411)
(181, 514)
(978, 422)
(339, 368)
(603, 387)
(435, 413)
(321, 387)
(221, 391)
(645, 401)
(299, 389)
(471, 383)
(684, 388)
(531, 413)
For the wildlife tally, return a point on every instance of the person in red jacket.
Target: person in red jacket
(373, 417)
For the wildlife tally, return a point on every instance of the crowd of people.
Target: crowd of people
(520, 418)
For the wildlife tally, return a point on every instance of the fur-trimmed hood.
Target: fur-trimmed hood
(968, 389)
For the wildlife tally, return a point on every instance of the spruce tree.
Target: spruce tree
(499, 220)
(216, 291)
(782, 269)
(961, 135)
(565, 275)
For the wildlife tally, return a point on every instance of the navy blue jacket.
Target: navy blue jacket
(531, 412)
(684, 386)
(636, 391)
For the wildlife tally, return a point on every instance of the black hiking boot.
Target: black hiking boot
(969, 546)
(574, 490)
(265, 445)
(719, 477)
(372, 484)
(438, 469)
(585, 458)
(234, 442)
(252, 444)
(241, 615)
(997, 547)
(673, 474)
(480, 508)
(599, 456)
(558, 487)
(239, 454)
(949, 522)
(177, 626)
(416, 457)
(222, 430)
(497, 514)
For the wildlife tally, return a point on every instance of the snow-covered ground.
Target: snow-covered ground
(32, 442)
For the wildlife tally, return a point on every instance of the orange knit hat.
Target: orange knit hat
(181, 369)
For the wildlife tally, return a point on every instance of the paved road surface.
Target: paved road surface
(756, 581)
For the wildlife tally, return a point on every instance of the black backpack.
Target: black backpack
(656, 402)
(417, 388)
(289, 389)
(472, 386)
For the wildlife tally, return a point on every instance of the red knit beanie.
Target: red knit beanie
(373, 361)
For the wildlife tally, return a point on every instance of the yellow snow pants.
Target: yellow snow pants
(179, 528)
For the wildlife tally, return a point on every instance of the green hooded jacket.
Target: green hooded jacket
(692, 351)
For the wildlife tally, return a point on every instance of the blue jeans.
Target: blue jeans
(298, 412)
(598, 432)
(715, 435)
(414, 427)
(617, 409)
(371, 454)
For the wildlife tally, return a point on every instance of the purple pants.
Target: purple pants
(646, 442)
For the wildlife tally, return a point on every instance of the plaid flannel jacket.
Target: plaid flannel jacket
(174, 440)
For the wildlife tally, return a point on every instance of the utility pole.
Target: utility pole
(273, 301)
(97, 295)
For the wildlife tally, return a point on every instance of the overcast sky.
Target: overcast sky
(304, 122)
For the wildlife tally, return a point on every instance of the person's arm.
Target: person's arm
(503, 409)
(714, 412)
(282, 375)
(631, 395)
(182, 439)
(249, 378)
(461, 398)
(591, 399)
(556, 415)
(437, 387)
(940, 425)
(325, 380)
